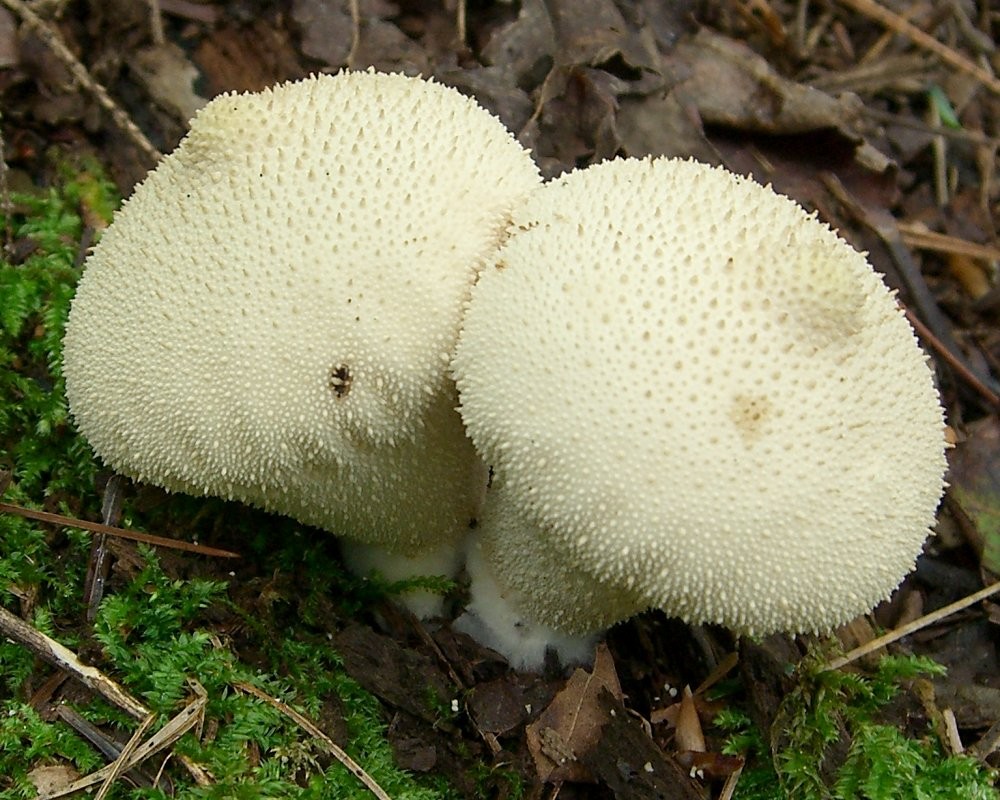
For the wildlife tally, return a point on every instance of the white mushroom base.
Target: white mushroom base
(492, 618)
(444, 561)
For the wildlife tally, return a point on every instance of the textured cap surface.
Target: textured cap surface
(704, 397)
(270, 316)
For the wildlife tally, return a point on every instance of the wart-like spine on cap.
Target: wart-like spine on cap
(270, 316)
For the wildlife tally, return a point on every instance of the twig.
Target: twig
(79, 72)
(156, 23)
(118, 767)
(988, 743)
(325, 741)
(61, 657)
(99, 564)
(884, 225)
(960, 368)
(939, 149)
(953, 739)
(960, 134)
(121, 533)
(916, 235)
(109, 748)
(355, 8)
(912, 627)
(188, 718)
(729, 787)
(460, 23)
(900, 25)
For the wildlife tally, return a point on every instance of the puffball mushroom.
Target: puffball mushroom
(703, 401)
(270, 316)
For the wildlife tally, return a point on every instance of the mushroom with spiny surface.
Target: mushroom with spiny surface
(270, 316)
(705, 401)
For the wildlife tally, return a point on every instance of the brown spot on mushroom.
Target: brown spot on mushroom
(750, 414)
(340, 380)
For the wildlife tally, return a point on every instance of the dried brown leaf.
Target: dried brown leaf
(575, 121)
(168, 76)
(524, 47)
(52, 778)
(689, 735)
(663, 125)
(735, 87)
(572, 723)
(587, 31)
(974, 486)
(498, 706)
(326, 29)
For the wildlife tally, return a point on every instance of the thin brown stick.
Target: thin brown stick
(956, 364)
(61, 657)
(937, 329)
(460, 23)
(916, 236)
(109, 748)
(900, 25)
(188, 717)
(913, 627)
(960, 134)
(325, 741)
(55, 43)
(118, 767)
(121, 533)
(355, 8)
(729, 787)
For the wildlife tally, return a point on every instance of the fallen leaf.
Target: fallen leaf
(689, 735)
(326, 29)
(382, 45)
(49, 779)
(974, 486)
(575, 123)
(495, 90)
(247, 58)
(498, 706)
(525, 47)
(663, 125)
(736, 88)
(571, 724)
(168, 76)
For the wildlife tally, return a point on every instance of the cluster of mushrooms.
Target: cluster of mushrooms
(351, 299)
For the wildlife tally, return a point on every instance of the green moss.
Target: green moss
(882, 763)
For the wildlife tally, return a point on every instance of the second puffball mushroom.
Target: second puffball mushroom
(703, 401)
(270, 316)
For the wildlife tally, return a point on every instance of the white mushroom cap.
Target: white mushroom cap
(703, 397)
(270, 316)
